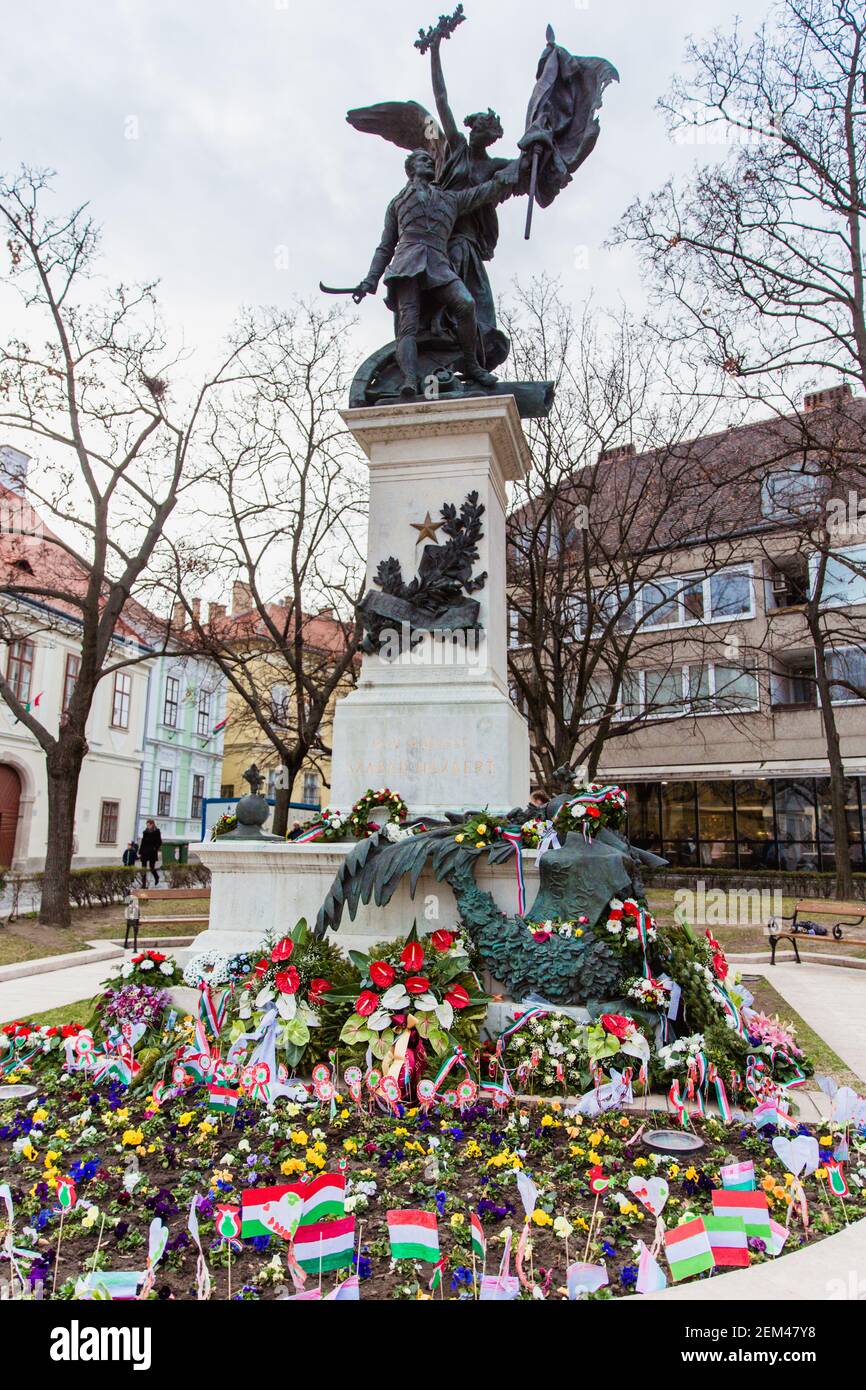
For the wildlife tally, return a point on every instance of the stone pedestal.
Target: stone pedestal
(437, 724)
(264, 886)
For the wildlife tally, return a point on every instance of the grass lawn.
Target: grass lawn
(66, 1013)
(768, 1000)
(751, 938)
(25, 939)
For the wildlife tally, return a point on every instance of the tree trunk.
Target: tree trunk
(844, 875)
(63, 766)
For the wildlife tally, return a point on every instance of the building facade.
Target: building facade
(715, 724)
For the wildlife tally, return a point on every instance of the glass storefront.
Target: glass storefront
(759, 823)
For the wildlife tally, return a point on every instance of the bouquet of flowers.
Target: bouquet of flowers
(590, 808)
(534, 831)
(613, 1033)
(426, 988)
(227, 821)
(296, 975)
(480, 831)
(551, 1050)
(648, 993)
(554, 926)
(149, 967)
(133, 1004)
(624, 921)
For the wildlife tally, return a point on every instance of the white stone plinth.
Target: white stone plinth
(265, 886)
(437, 724)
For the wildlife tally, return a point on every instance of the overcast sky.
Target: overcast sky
(209, 134)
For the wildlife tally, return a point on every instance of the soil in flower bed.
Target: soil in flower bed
(99, 1134)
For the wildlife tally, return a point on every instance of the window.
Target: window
(19, 669)
(197, 796)
(280, 706)
(513, 629)
(227, 790)
(311, 788)
(70, 676)
(844, 577)
(788, 493)
(684, 599)
(663, 692)
(846, 667)
(120, 701)
(163, 800)
(109, 815)
(172, 702)
(204, 723)
(734, 688)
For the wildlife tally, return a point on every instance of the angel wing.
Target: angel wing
(405, 123)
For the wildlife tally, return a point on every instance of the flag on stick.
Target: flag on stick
(739, 1177)
(651, 1278)
(479, 1240)
(414, 1235)
(326, 1245)
(728, 1241)
(688, 1250)
(750, 1206)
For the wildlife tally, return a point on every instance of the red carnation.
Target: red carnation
(442, 940)
(417, 984)
(412, 955)
(318, 987)
(617, 1024)
(287, 981)
(631, 908)
(367, 1003)
(382, 974)
(457, 997)
(283, 949)
(593, 811)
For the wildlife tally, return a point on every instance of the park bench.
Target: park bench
(847, 915)
(146, 895)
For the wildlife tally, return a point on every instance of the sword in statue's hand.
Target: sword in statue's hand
(358, 292)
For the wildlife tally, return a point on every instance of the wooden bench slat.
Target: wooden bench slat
(830, 907)
(159, 921)
(169, 894)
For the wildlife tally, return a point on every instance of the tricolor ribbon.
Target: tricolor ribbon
(515, 838)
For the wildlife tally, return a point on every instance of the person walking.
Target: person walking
(149, 847)
(130, 854)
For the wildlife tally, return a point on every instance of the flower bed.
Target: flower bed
(183, 1151)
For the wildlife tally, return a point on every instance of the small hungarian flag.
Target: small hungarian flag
(436, 1278)
(750, 1206)
(836, 1178)
(739, 1177)
(324, 1196)
(217, 727)
(222, 1099)
(728, 1241)
(688, 1250)
(325, 1245)
(769, 1113)
(479, 1240)
(414, 1235)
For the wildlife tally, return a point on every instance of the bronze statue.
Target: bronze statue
(442, 228)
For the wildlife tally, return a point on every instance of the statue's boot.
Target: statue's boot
(473, 371)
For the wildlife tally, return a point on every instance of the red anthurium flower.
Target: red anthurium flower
(457, 997)
(282, 950)
(367, 1003)
(318, 987)
(442, 940)
(417, 984)
(412, 955)
(287, 981)
(617, 1024)
(382, 974)
(263, 967)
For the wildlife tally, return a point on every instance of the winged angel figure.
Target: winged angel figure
(442, 227)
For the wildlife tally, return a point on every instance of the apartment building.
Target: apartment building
(715, 724)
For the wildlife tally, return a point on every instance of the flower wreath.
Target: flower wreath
(591, 808)
(360, 823)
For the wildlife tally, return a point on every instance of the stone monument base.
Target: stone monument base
(259, 887)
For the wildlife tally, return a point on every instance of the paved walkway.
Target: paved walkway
(827, 1270)
(33, 994)
(831, 999)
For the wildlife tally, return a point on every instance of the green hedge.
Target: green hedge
(103, 884)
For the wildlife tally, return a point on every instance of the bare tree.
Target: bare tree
(621, 502)
(286, 521)
(88, 386)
